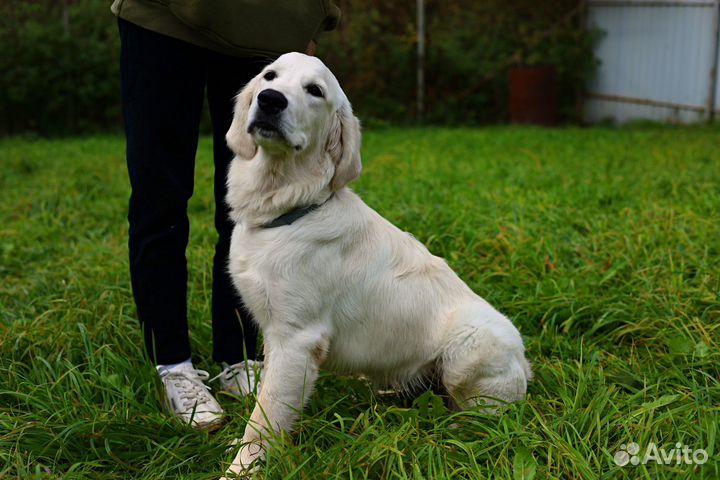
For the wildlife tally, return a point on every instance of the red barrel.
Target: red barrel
(533, 95)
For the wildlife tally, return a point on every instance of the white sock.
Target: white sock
(175, 366)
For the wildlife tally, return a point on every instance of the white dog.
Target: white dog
(330, 282)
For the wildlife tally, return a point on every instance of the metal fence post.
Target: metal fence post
(420, 59)
(714, 62)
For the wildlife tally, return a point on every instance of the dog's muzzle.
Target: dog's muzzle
(271, 104)
(267, 121)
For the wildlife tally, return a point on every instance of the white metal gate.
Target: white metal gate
(659, 60)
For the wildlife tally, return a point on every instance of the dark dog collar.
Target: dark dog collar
(295, 214)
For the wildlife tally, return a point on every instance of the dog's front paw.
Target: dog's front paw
(246, 462)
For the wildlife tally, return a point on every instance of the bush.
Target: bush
(470, 47)
(58, 77)
(62, 77)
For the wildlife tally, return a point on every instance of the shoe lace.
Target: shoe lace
(190, 387)
(231, 371)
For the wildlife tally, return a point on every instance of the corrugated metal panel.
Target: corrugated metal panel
(597, 110)
(717, 88)
(655, 60)
(717, 59)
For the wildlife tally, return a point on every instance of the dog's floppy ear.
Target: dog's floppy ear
(237, 137)
(343, 145)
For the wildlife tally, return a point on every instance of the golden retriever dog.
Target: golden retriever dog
(330, 282)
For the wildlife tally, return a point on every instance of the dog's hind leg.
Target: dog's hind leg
(483, 360)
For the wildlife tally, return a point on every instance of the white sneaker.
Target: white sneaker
(189, 398)
(240, 379)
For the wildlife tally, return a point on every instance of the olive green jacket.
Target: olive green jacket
(235, 27)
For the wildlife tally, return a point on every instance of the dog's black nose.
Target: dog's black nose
(271, 101)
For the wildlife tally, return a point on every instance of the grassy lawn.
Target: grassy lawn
(602, 245)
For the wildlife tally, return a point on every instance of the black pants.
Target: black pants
(163, 83)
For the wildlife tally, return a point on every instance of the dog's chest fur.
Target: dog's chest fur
(374, 291)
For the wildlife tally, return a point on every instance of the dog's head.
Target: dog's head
(295, 106)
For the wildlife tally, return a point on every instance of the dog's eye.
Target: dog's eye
(270, 75)
(315, 91)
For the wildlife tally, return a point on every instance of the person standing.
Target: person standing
(172, 53)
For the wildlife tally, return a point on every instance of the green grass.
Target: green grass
(602, 245)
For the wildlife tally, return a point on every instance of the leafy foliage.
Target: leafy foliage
(60, 60)
(58, 76)
(470, 48)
